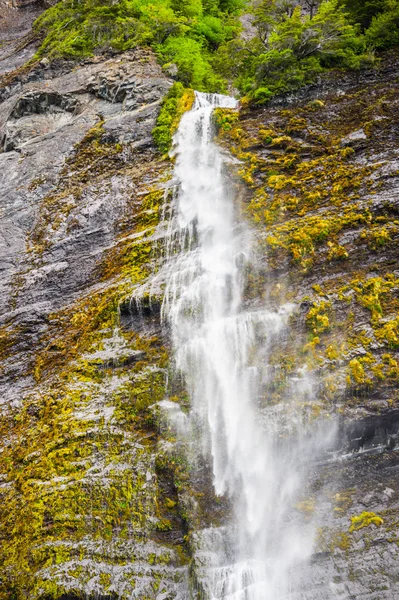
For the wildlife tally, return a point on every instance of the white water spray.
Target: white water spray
(215, 343)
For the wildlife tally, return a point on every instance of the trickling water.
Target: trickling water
(215, 343)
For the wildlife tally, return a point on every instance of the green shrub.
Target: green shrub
(185, 32)
(175, 103)
(383, 32)
(292, 47)
(262, 95)
(192, 62)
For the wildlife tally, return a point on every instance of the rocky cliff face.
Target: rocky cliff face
(17, 44)
(94, 500)
(321, 172)
(87, 507)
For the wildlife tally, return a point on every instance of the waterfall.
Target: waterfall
(215, 342)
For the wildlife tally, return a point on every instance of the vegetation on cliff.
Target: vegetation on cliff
(365, 12)
(329, 225)
(201, 43)
(84, 502)
(296, 41)
(185, 33)
(175, 103)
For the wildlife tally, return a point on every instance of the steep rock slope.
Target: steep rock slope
(321, 175)
(87, 507)
(17, 45)
(92, 495)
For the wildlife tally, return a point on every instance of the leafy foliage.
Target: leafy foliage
(383, 32)
(185, 32)
(294, 41)
(363, 11)
(293, 45)
(379, 19)
(175, 103)
(192, 62)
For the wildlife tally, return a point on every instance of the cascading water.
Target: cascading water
(215, 342)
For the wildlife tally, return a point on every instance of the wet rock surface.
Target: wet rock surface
(88, 508)
(94, 500)
(17, 44)
(321, 176)
(40, 130)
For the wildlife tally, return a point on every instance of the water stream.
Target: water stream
(218, 346)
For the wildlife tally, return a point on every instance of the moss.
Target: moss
(388, 333)
(164, 525)
(340, 540)
(9, 337)
(75, 454)
(336, 252)
(315, 105)
(343, 500)
(293, 185)
(307, 507)
(357, 372)
(301, 236)
(317, 319)
(329, 540)
(379, 236)
(311, 199)
(93, 158)
(224, 119)
(52, 504)
(35, 183)
(170, 503)
(77, 328)
(376, 294)
(365, 519)
(177, 101)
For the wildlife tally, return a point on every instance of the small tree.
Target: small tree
(268, 14)
(294, 45)
(326, 32)
(383, 32)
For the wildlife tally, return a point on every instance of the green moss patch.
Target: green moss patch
(177, 101)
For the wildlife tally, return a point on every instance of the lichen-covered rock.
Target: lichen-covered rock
(86, 508)
(96, 501)
(17, 44)
(320, 175)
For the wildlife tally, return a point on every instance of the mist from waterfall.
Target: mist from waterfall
(217, 346)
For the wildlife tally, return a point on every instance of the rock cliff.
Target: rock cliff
(95, 501)
(321, 176)
(85, 506)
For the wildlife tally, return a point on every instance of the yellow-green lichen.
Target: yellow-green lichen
(365, 519)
